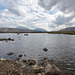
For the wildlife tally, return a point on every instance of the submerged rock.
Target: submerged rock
(25, 55)
(20, 55)
(5, 39)
(10, 53)
(18, 58)
(25, 34)
(45, 49)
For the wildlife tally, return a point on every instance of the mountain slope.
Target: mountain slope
(40, 29)
(68, 29)
(21, 27)
(6, 30)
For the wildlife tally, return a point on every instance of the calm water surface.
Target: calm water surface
(61, 47)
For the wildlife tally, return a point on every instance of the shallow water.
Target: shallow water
(61, 48)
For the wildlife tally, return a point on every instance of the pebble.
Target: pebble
(71, 61)
(68, 64)
(31, 62)
(24, 60)
(71, 69)
(2, 59)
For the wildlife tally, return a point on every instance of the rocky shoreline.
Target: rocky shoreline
(30, 66)
(15, 67)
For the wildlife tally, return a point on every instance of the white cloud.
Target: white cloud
(30, 14)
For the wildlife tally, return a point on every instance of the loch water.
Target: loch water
(61, 47)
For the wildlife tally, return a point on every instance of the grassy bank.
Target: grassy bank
(63, 32)
(52, 32)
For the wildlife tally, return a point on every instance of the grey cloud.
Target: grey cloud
(15, 11)
(70, 23)
(63, 5)
(67, 5)
(11, 5)
(51, 26)
(47, 4)
(60, 20)
(1, 16)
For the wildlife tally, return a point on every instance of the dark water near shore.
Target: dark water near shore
(61, 48)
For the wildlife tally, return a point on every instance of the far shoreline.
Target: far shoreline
(51, 32)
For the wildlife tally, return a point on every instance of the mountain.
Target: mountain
(12, 30)
(68, 29)
(36, 29)
(21, 27)
(40, 30)
(3, 27)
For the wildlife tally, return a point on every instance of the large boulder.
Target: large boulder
(31, 62)
(51, 68)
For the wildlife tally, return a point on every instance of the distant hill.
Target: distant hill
(40, 29)
(14, 30)
(68, 29)
(21, 27)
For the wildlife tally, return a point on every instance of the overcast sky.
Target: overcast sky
(47, 14)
